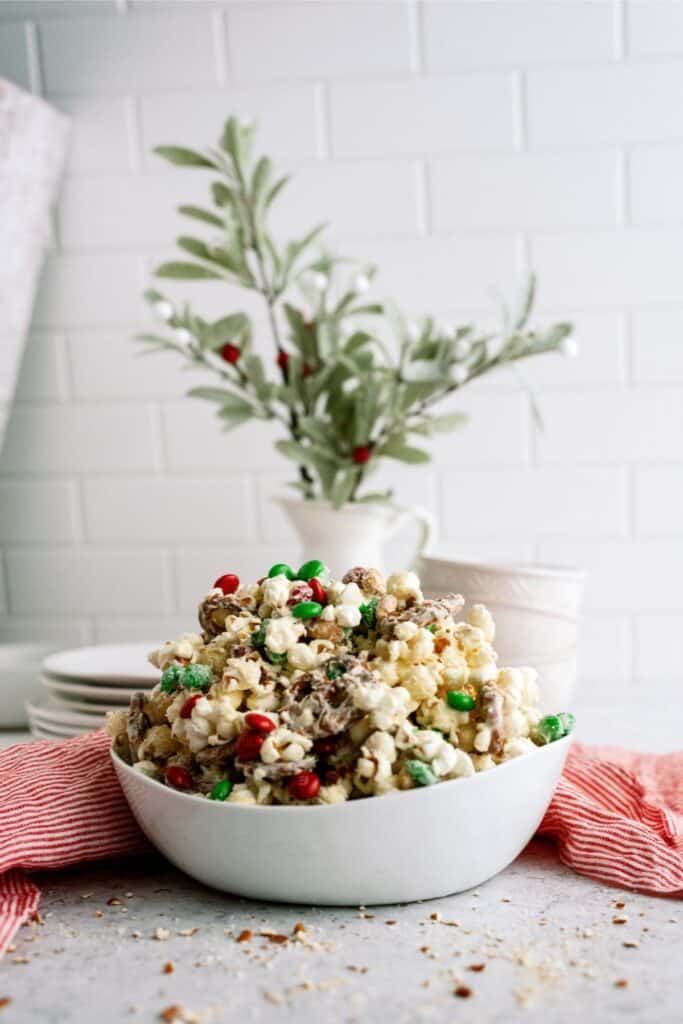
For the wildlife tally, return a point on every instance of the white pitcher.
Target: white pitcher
(354, 534)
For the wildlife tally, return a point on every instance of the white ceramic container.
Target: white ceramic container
(405, 846)
(354, 534)
(535, 608)
(19, 680)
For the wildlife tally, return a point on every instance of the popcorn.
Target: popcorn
(281, 634)
(369, 688)
(404, 585)
(276, 591)
(347, 615)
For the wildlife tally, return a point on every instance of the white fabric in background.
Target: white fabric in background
(33, 140)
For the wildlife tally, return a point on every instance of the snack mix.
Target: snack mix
(303, 689)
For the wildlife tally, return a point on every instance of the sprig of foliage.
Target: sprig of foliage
(345, 397)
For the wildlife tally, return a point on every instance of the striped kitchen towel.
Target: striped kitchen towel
(616, 816)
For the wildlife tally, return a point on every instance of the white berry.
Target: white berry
(462, 348)
(413, 330)
(183, 335)
(459, 374)
(163, 309)
(569, 348)
(319, 280)
(361, 283)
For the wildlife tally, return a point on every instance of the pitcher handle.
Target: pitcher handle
(427, 528)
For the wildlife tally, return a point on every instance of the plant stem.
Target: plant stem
(268, 292)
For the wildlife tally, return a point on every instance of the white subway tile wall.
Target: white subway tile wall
(455, 143)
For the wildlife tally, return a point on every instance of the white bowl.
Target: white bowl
(412, 845)
(19, 680)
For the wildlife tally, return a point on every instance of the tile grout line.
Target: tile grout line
(220, 20)
(33, 58)
(322, 115)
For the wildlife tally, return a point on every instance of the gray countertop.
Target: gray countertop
(547, 943)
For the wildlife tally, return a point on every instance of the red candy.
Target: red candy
(248, 745)
(231, 353)
(186, 709)
(304, 786)
(361, 454)
(228, 583)
(318, 592)
(178, 777)
(261, 723)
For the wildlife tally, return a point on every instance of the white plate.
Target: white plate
(88, 707)
(111, 664)
(41, 734)
(57, 732)
(443, 838)
(97, 694)
(47, 714)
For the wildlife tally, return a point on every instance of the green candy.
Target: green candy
(190, 677)
(334, 670)
(459, 701)
(281, 569)
(275, 659)
(313, 568)
(555, 727)
(420, 773)
(258, 637)
(432, 628)
(221, 791)
(170, 678)
(307, 610)
(369, 612)
(196, 677)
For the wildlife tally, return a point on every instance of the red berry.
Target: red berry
(231, 353)
(319, 594)
(178, 777)
(361, 454)
(248, 745)
(228, 583)
(283, 360)
(304, 786)
(307, 370)
(261, 723)
(186, 709)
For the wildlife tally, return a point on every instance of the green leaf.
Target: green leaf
(376, 497)
(194, 246)
(343, 487)
(197, 213)
(187, 272)
(404, 453)
(222, 195)
(296, 452)
(423, 370)
(260, 179)
(236, 328)
(182, 157)
(212, 394)
(527, 303)
(275, 191)
(440, 424)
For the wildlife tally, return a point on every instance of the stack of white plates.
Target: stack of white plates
(83, 684)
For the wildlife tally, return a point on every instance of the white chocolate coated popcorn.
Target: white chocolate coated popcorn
(370, 689)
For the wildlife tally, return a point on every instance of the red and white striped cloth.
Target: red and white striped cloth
(616, 816)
